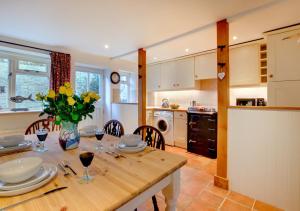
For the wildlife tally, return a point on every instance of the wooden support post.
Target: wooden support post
(220, 179)
(142, 87)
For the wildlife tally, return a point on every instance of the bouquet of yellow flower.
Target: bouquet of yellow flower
(65, 106)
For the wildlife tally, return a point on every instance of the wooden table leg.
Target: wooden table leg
(171, 191)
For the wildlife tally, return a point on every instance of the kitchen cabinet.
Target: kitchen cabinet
(185, 71)
(168, 75)
(284, 56)
(284, 93)
(178, 74)
(153, 77)
(244, 65)
(206, 66)
(180, 129)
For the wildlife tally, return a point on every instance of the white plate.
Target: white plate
(53, 172)
(41, 175)
(21, 146)
(124, 146)
(139, 148)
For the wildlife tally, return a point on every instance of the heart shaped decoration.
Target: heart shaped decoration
(221, 75)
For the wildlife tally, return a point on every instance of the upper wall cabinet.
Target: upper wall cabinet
(185, 71)
(154, 77)
(168, 75)
(284, 56)
(206, 66)
(178, 74)
(244, 65)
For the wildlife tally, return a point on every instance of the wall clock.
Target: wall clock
(115, 77)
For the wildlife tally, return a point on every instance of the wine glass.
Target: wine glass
(86, 159)
(99, 135)
(41, 135)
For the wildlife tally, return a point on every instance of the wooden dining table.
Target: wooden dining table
(121, 183)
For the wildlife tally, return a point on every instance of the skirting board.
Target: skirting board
(221, 182)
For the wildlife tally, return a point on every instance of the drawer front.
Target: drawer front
(180, 115)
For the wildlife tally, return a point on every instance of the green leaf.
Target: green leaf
(75, 116)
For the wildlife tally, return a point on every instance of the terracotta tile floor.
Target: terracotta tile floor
(198, 192)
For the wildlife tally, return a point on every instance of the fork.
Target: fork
(63, 169)
(66, 165)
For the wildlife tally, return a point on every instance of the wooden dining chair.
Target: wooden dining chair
(155, 139)
(114, 128)
(152, 136)
(42, 124)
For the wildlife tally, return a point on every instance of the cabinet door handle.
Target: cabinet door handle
(271, 75)
(211, 120)
(212, 129)
(192, 123)
(191, 141)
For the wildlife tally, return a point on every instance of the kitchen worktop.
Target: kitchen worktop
(182, 109)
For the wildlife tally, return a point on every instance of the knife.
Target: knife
(34, 197)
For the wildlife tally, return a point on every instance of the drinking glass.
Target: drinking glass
(99, 135)
(41, 135)
(86, 159)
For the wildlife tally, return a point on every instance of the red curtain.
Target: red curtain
(60, 69)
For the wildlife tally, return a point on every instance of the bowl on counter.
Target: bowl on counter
(174, 106)
(19, 170)
(11, 140)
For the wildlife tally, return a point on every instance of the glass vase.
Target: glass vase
(69, 137)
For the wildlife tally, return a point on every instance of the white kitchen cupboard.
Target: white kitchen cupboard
(168, 75)
(185, 72)
(244, 65)
(206, 66)
(180, 129)
(284, 93)
(153, 77)
(178, 74)
(284, 56)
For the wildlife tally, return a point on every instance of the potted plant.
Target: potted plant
(68, 109)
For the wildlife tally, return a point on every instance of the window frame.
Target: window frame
(13, 59)
(94, 70)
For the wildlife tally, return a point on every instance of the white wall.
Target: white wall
(264, 155)
(183, 98)
(127, 114)
(77, 57)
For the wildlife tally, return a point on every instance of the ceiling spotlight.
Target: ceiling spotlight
(234, 37)
(187, 50)
(106, 46)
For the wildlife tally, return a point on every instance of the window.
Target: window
(88, 79)
(22, 75)
(128, 87)
(124, 87)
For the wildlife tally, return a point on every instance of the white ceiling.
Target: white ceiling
(126, 25)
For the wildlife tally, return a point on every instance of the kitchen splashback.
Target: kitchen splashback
(183, 98)
(247, 92)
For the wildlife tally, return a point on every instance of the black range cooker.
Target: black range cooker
(202, 133)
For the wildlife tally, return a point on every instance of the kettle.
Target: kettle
(165, 103)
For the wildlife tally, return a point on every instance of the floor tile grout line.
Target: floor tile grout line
(253, 204)
(222, 203)
(239, 203)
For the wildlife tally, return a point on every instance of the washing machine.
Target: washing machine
(163, 121)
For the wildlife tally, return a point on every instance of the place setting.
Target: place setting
(12, 143)
(22, 175)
